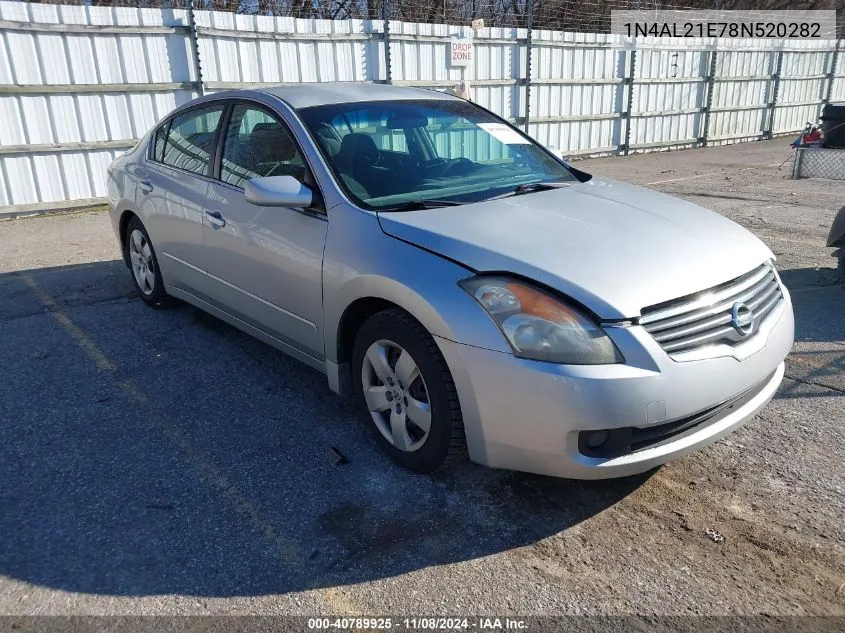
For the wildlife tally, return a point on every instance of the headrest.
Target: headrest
(271, 142)
(359, 148)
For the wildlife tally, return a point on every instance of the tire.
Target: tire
(396, 332)
(842, 264)
(152, 290)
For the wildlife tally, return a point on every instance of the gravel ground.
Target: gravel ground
(160, 462)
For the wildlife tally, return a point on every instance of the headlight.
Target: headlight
(541, 327)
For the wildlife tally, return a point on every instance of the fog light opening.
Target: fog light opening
(595, 439)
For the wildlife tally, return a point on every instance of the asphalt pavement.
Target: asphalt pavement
(161, 462)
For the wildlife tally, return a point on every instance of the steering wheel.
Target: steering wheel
(437, 165)
(273, 167)
(460, 165)
(326, 131)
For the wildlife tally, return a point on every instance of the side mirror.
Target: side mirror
(278, 191)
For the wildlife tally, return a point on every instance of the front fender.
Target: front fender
(361, 261)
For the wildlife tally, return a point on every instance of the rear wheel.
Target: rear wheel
(407, 394)
(144, 266)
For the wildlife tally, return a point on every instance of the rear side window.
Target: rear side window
(190, 139)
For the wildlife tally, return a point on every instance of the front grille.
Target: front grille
(704, 318)
(626, 440)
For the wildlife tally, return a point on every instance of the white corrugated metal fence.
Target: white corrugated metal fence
(79, 84)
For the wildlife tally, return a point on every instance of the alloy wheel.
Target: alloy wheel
(396, 395)
(141, 258)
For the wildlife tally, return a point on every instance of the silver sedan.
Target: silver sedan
(475, 293)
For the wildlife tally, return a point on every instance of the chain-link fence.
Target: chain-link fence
(584, 16)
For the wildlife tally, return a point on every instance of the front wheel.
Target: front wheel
(407, 394)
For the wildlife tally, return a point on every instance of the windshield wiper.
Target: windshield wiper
(531, 187)
(418, 205)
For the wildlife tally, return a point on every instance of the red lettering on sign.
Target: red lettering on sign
(462, 51)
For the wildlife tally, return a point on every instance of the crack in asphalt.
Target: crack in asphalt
(814, 384)
(84, 304)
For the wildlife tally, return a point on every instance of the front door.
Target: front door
(266, 262)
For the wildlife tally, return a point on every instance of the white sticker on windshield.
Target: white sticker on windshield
(503, 133)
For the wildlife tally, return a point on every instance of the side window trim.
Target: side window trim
(217, 161)
(151, 153)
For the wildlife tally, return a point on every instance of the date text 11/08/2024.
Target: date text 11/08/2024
(792, 30)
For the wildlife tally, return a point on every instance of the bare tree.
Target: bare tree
(569, 15)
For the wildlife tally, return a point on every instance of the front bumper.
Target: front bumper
(527, 415)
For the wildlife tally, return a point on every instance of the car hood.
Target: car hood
(613, 247)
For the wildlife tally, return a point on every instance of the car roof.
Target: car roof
(305, 95)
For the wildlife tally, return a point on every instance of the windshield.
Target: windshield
(387, 154)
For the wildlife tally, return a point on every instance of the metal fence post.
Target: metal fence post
(708, 100)
(528, 60)
(796, 165)
(195, 49)
(773, 102)
(629, 81)
(386, 37)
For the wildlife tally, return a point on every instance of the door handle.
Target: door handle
(146, 187)
(215, 218)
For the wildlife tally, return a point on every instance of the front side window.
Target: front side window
(257, 144)
(190, 139)
(389, 154)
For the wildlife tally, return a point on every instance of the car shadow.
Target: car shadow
(817, 361)
(818, 299)
(151, 452)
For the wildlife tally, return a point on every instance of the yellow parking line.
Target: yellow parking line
(210, 473)
(206, 469)
(76, 333)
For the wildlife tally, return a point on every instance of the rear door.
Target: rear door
(266, 262)
(172, 187)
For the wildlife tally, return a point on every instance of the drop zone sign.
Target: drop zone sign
(461, 52)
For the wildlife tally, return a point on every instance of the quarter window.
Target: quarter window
(160, 138)
(190, 139)
(258, 144)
